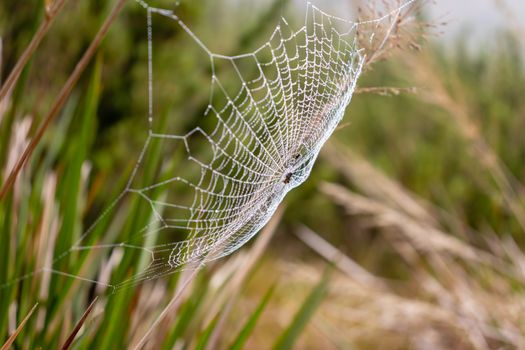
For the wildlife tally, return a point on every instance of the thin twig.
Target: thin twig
(51, 14)
(62, 97)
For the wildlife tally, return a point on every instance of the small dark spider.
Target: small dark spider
(287, 178)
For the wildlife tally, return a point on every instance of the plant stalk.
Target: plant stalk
(51, 14)
(62, 97)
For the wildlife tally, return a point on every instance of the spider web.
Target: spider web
(269, 113)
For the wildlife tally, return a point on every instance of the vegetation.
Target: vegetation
(408, 234)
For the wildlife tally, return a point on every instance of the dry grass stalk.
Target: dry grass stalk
(245, 266)
(355, 312)
(1, 65)
(342, 262)
(13, 336)
(423, 236)
(174, 304)
(375, 184)
(150, 296)
(46, 239)
(401, 31)
(385, 90)
(71, 338)
(52, 10)
(62, 97)
(228, 282)
(18, 143)
(454, 104)
(478, 289)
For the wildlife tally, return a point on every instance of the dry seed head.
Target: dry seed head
(402, 32)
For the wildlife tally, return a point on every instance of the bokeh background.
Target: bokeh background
(409, 233)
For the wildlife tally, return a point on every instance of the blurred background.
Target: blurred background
(409, 233)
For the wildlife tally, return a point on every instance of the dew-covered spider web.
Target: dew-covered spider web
(257, 139)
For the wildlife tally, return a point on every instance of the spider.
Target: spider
(287, 178)
(289, 175)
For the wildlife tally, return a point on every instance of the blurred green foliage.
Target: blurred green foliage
(105, 120)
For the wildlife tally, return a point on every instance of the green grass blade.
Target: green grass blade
(77, 153)
(305, 313)
(113, 326)
(82, 133)
(245, 332)
(204, 337)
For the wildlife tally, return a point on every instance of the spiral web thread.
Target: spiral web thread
(259, 138)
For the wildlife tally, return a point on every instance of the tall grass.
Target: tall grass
(409, 233)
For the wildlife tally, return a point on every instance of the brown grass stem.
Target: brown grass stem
(246, 266)
(72, 336)
(13, 336)
(171, 305)
(385, 90)
(1, 59)
(62, 97)
(453, 102)
(51, 13)
(376, 53)
(341, 261)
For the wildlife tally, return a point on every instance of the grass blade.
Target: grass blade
(71, 338)
(13, 336)
(61, 98)
(305, 313)
(245, 332)
(205, 336)
(337, 257)
(245, 270)
(187, 312)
